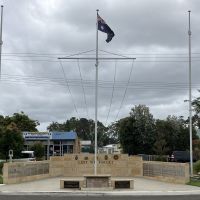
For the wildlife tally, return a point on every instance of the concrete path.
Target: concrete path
(142, 186)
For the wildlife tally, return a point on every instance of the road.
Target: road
(65, 197)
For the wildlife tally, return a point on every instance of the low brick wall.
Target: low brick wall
(166, 171)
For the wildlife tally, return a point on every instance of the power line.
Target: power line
(105, 60)
(140, 88)
(90, 83)
(84, 52)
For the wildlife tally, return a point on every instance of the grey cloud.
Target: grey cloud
(60, 28)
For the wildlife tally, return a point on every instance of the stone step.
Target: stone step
(97, 189)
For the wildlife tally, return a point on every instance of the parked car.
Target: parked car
(180, 156)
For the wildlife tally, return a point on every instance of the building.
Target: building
(110, 149)
(55, 143)
(86, 146)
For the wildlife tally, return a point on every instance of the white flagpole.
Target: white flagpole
(1, 42)
(96, 98)
(190, 99)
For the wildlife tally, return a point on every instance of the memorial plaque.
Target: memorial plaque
(71, 184)
(97, 182)
(122, 184)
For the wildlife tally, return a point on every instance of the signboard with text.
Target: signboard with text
(36, 136)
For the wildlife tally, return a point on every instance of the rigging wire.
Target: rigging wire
(125, 92)
(80, 53)
(116, 54)
(66, 82)
(83, 88)
(103, 84)
(112, 93)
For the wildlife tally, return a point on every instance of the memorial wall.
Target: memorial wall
(78, 165)
(118, 165)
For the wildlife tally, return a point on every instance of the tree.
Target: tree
(22, 121)
(54, 126)
(137, 132)
(38, 149)
(11, 138)
(11, 128)
(160, 146)
(196, 106)
(113, 133)
(172, 134)
(128, 136)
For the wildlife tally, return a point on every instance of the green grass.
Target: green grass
(194, 183)
(1, 179)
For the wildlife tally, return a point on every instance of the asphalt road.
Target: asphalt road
(65, 197)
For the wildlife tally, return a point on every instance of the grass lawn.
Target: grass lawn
(1, 179)
(194, 183)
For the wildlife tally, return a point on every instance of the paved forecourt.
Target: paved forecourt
(142, 186)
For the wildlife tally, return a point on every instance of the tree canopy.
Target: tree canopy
(196, 106)
(137, 132)
(10, 138)
(140, 133)
(11, 128)
(21, 120)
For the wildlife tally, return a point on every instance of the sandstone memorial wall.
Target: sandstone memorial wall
(78, 165)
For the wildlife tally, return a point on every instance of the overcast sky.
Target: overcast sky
(155, 32)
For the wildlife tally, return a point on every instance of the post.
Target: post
(48, 147)
(1, 42)
(60, 149)
(190, 99)
(96, 99)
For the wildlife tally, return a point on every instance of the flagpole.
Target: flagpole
(96, 98)
(1, 42)
(190, 98)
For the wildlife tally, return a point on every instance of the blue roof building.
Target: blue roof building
(63, 135)
(56, 143)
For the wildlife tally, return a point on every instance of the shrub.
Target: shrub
(161, 158)
(1, 167)
(38, 149)
(1, 179)
(197, 167)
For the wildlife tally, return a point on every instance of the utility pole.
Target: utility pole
(190, 98)
(1, 42)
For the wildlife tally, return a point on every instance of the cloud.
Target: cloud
(36, 33)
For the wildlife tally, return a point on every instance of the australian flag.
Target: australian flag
(102, 26)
